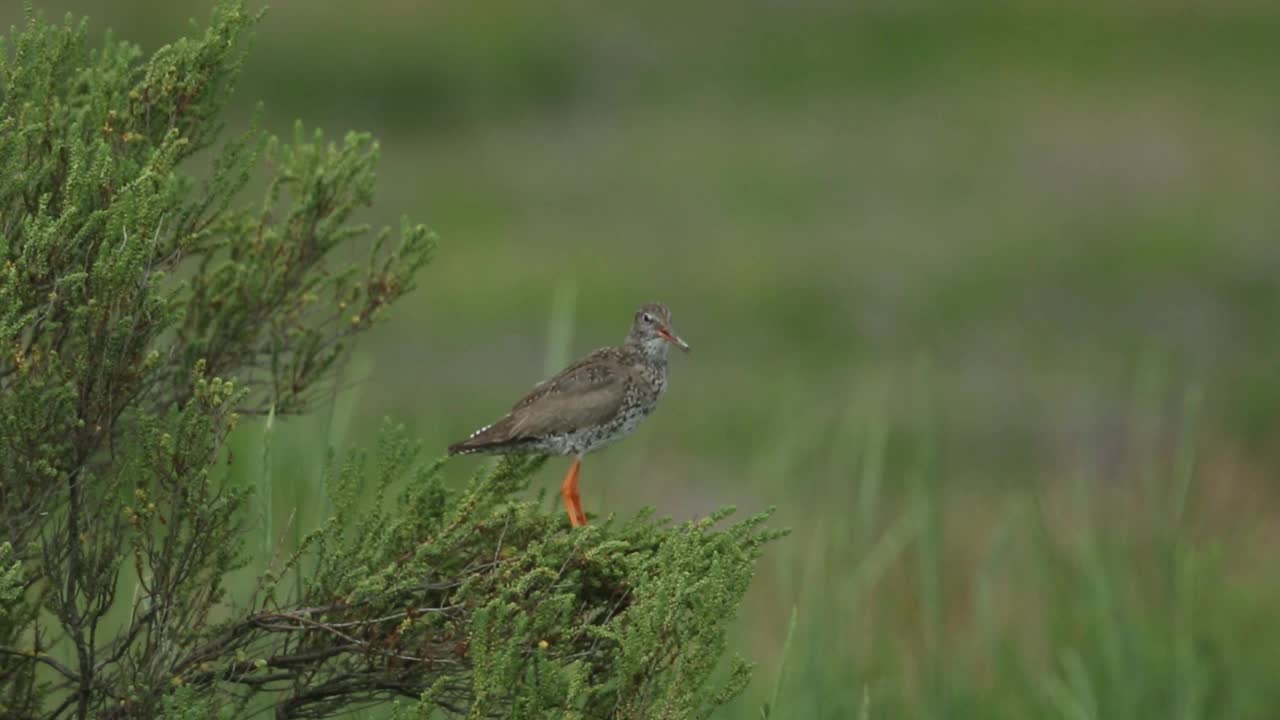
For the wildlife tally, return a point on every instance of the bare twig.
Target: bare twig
(65, 671)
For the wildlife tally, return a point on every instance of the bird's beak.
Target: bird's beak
(674, 339)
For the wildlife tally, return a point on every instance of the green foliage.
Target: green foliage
(477, 602)
(144, 309)
(128, 289)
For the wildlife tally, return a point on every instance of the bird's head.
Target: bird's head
(651, 331)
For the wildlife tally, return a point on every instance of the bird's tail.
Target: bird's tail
(461, 448)
(495, 439)
(469, 446)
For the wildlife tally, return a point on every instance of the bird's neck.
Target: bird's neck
(654, 351)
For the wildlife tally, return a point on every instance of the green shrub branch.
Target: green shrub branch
(144, 309)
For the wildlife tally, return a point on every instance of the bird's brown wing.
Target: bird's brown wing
(589, 392)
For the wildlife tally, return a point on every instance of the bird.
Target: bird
(595, 401)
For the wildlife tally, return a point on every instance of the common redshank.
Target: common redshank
(588, 405)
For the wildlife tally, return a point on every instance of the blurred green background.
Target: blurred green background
(982, 297)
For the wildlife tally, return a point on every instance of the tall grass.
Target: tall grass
(1074, 599)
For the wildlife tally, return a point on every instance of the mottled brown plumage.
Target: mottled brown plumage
(593, 402)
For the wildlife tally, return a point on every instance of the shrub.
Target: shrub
(145, 308)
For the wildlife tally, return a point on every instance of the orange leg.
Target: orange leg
(569, 491)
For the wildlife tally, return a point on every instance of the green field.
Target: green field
(982, 298)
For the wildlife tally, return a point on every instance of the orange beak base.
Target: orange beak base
(674, 339)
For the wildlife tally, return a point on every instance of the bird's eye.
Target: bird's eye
(647, 318)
